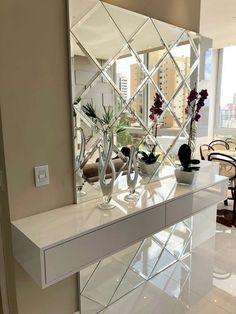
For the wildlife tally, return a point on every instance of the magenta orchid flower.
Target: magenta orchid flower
(156, 109)
(195, 102)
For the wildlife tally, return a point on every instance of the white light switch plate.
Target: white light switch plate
(41, 175)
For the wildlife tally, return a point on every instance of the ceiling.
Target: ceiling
(218, 21)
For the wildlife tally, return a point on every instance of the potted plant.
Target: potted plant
(148, 160)
(187, 173)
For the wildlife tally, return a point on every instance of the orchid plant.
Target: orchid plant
(195, 102)
(155, 112)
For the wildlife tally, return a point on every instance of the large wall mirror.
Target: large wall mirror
(120, 59)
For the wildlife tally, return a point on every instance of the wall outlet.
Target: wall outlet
(41, 175)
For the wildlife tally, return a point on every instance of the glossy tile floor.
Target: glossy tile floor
(204, 282)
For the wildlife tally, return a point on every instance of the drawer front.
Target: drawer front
(210, 196)
(178, 209)
(69, 257)
(186, 206)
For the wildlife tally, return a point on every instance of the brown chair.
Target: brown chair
(228, 169)
(205, 150)
(219, 145)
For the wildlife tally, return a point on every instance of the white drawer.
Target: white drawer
(209, 196)
(178, 209)
(186, 206)
(69, 257)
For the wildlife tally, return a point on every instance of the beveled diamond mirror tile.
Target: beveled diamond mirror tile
(174, 144)
(187, 249)
(89, 306)
(164, 235)
(85, 73)
(104, 281)
(147, 257)
(166, 259)
(134, 126)
(169, 33)
(192, 79)
(181, 55)
(164, 169)
(129, 74)
(179, 239)
(85, 275)
(96, 31)
(77, 12)
(131, 281)
(147, 40)
(168, 77)
(177, 108)
(110, 273)
(189, 223)
(195, 39)
(127, 21)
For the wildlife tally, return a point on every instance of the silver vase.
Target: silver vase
(132, 171)
(78, 162)
(105, 161)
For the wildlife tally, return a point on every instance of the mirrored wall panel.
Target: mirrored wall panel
(121, 61)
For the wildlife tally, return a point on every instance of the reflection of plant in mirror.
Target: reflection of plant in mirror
(148, 158)
(155, 113)
(156, 109)
(103, 122)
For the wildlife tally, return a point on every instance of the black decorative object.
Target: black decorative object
(187, 173)
(185, 154)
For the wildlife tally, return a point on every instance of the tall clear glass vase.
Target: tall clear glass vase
(78, 163)
(105, 164)
(132, 177)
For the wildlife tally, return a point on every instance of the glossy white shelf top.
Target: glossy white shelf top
(58, 225)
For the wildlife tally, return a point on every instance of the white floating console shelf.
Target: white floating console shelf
(56, 244)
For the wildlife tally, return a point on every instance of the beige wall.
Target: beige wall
(35, 100)
(7, 280)
(182, 13)
(34, 95)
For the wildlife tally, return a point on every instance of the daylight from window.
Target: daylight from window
(227, 114)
